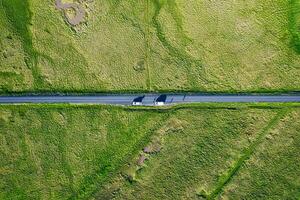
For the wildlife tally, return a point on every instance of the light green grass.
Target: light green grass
(88, 151)
(273, 171)
(152, 45)
(205, 152)
(246, 154)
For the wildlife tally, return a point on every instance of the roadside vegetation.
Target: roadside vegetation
(193, 151)
(294, 22)
(160, 45)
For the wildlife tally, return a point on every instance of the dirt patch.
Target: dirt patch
(79, 12)
(141, 160)
(140, 66)
(154, 147)
(173, 126)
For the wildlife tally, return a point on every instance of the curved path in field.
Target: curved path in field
(80, 12)
(149, 99)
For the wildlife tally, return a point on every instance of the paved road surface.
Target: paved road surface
(148, 100)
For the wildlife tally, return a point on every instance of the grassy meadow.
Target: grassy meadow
(151, 45)
(61, 152)
(273, 167)
(201, 151)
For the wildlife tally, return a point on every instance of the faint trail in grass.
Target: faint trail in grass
(61, 146)
(133, 23)
(294, 13)
(66, 166)
(115, 3)
(246, 153)
(147, 45)
(19, 14)
(181, 57)
(173, 8)
(146, 34)
(113, 6)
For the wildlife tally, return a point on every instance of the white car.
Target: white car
(134, 103)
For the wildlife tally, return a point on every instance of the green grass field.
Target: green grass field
(194, 151)
(200, 151)
(271, 170)
(146, 45)
(61, 152)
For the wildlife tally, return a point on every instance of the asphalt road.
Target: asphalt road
(148, 100)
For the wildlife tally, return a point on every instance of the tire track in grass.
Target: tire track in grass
(246, 153)
(64, 158)
(178, 18)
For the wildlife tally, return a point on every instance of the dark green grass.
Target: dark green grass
(19, 14)
(294, 24)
